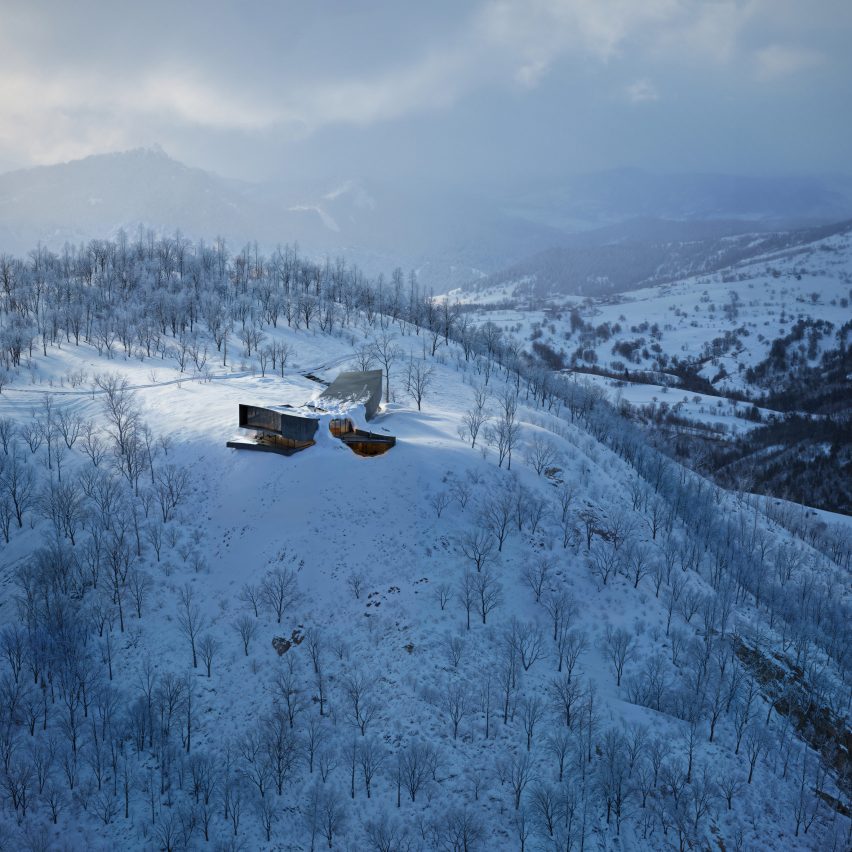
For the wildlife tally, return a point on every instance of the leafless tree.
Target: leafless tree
(208, 647)
(603, 560)
(476, 416)
(19, 482)
(359, 689)
(443, 591)
(489, 592)
(69, 426)
(93, 445)
(120, 408)
(246, 626)
(560, 607)
(540, 454)
(415, 765)
(190, 619)
(364, 357)
(516, 770)
(570, 644)
(387, 352)
(460, 490)
(566, 695)
(467, 593)
(8, 430)
(280, 747)
(526, 640)
(477, 545)
(640, 562)
(453, 700)
(503, 436)
(171, 486)
(140, 584)
(280, 590)
(355, 581)
(496, 513)
(253, 596)
(418, 380)
(386, 834)
(756, 742)
(532, 712)
(619, 645)
(439, 501)
(536, 572)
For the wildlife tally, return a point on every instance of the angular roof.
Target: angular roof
(356, 388)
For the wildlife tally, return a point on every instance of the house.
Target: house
(286, 430)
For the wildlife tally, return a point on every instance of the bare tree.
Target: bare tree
(69, 426)
(489, 592)
(140, 584)
(570, 645)
(454, 702)
(93, 445)
(355, 581)
(246, 626)
(496, 513)
(371, 756)
(536, 572)
(476, 416)
(439, 501)
(120, 408)
(517, 771)
(532, 712)
(253, 596)
(467, 593)
(19, 482)
(280, 590)
(619, 646)
(503, 436)
(540, 454)
(363, 706)
(171, 485)
(208, 647)
(477, 545)
(415, 765)
(190, 619)
(364, 357)
(418, 380)
(386, 351)
(386, 834)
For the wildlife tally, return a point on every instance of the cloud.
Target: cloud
(642, 91)
(366, 69)
(777, 61)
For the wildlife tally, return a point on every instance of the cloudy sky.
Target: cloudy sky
(446, 89)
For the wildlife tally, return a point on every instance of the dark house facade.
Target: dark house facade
(286, 430)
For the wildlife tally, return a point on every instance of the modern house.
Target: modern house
(286, 430)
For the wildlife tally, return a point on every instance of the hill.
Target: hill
(520, 626)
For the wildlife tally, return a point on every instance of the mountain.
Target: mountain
(95, 196)
(643, 252)
(607, 197)
(449, 234)
(446, 237)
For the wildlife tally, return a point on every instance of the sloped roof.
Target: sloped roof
(356, 387)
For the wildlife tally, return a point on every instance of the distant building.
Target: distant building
(287, 430)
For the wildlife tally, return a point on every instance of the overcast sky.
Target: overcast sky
(506, 90)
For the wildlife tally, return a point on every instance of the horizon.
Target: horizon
(157, 148)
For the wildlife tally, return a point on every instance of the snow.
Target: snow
(330, 515)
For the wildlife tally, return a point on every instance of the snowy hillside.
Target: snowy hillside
(726, 322)
(520, 628)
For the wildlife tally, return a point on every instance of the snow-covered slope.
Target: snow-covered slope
(605, 677)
